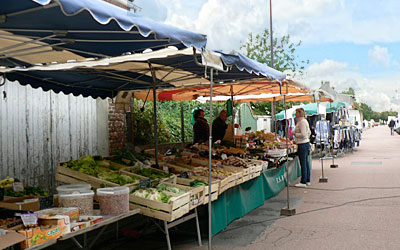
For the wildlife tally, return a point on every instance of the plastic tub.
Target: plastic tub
(113, 200)
(82, 200)
(69, 189)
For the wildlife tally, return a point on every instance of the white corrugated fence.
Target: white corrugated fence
(39, 129)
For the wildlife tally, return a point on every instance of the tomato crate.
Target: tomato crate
(179, 205)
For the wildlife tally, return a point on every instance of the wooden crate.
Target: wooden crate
(153, 182)
(178, 206)
(67, 175)
(196, 193)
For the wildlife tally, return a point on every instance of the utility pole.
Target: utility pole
(273, 107)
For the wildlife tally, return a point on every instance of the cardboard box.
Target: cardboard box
(10, 239)
(71, 212)
(89, 220)
(50, 228)
(27, 203)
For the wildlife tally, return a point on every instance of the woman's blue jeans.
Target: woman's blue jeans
(303, 151)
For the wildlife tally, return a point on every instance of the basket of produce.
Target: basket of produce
(160, 203)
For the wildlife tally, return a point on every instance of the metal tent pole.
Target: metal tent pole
(153, 74)
(233, 116)
(209, 162)
(287, 211)
(322, 179)
(182, 124)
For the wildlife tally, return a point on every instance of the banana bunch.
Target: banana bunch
(7, 182)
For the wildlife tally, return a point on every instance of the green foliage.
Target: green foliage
(258, 47)
(350, 91)
(169, 120)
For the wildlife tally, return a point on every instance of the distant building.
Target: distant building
(348, 99)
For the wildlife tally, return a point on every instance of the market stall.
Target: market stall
(165, 197)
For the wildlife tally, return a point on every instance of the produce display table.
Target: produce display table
(240, 200)
(43, 245)
(108, 219)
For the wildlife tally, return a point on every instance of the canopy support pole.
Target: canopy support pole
(209, 162)
(233, 117)
(153, 74)
(274, 125)
(182, 124)
(287, 211)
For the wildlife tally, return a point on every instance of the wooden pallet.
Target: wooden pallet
(178, 206)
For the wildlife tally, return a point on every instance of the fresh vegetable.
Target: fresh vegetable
(29, 190)
(153, 194)
(86, 165)
(117, 178)
(198, 183)
(141, 193)
(150, 173)
(163, 187)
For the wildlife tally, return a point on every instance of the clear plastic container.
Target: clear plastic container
(70, 188)
(82, 200)
(113, 200)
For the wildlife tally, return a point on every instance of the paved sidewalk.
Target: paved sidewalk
(357, 209)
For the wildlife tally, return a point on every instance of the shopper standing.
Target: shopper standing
(391, 126)
(302, 138)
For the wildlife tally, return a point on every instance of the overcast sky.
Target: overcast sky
(348, 42)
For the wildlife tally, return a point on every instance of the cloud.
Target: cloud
(379, 55)
(378, 93)
(326, 68)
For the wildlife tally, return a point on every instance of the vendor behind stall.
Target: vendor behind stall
(201, 130)
(219, 126)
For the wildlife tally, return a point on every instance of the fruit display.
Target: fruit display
(218, 173)
(7, 182)
(10, 222)
(235, 162)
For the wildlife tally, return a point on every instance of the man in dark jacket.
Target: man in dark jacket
(201, 130)
(219, 126)
(391, 126)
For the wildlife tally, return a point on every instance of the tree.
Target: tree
(350, 91)
(258, 47)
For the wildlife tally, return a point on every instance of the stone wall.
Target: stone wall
(117, 127)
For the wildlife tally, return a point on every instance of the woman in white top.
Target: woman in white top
(302, 138)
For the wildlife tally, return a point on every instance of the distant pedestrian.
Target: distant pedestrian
(302, 138)
(391, 126)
